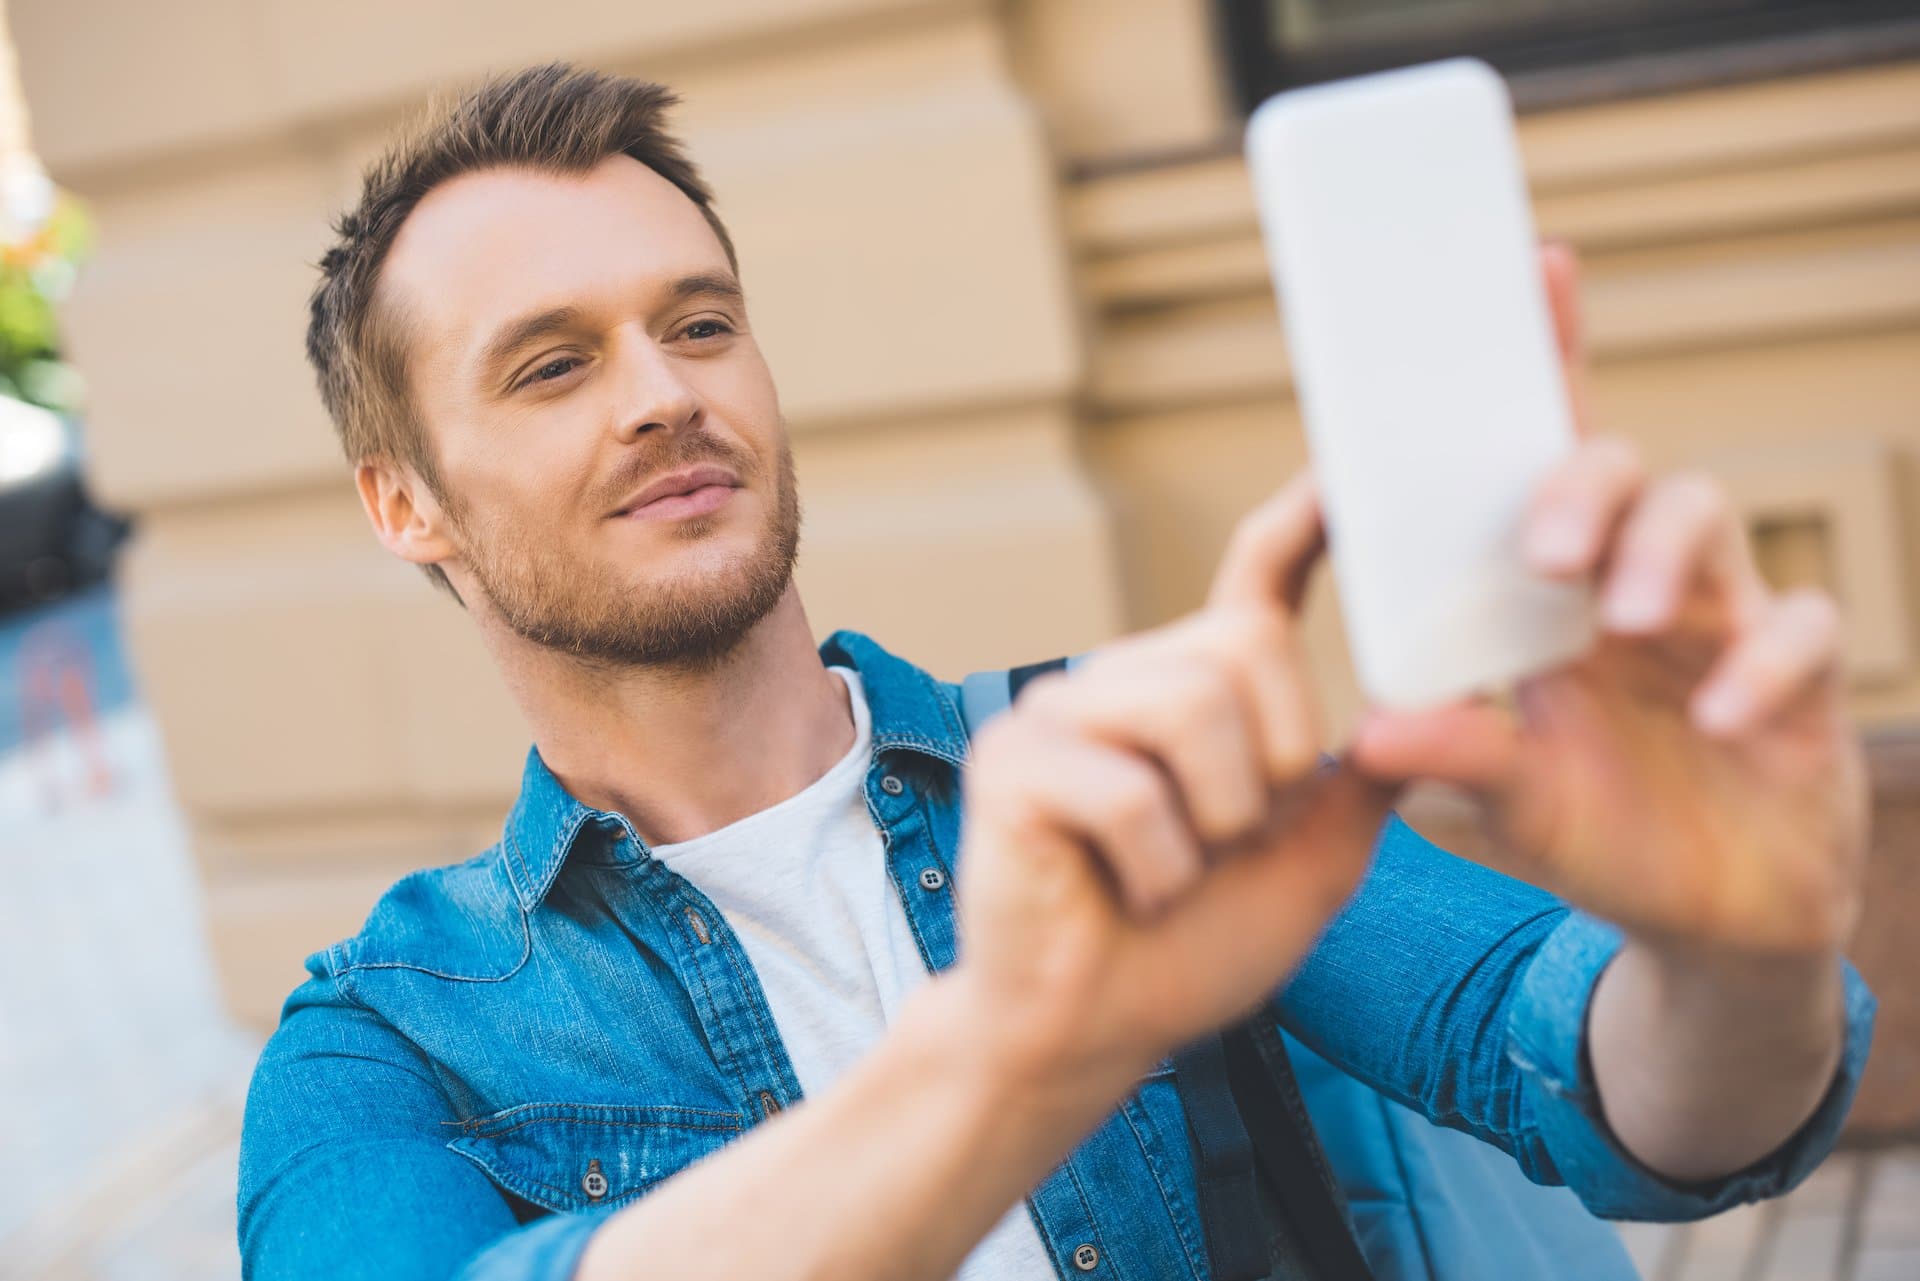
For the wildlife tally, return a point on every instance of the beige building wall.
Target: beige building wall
(1004, 259)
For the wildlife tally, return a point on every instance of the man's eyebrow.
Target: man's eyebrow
(710, 283)
(518, 333)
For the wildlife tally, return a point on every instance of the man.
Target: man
(732, 864)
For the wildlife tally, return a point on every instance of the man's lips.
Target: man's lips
(679, 506)
(692, 491)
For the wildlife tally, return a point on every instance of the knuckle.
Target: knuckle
(994, 740)
(1244, 635)
(1203, 697)
(999, 748)
(1768, 666)
(1617, 455)
(1046, 690)
(1818, 610)
(1248, 528)
(1136, 800)
(1020, 812)
(1696, 493)
(1293, 758)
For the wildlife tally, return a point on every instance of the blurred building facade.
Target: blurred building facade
(1004, 260)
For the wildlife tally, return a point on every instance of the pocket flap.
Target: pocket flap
(583, 1156)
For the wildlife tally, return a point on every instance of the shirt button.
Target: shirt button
(594, 1183)
(932, 878)
(1086, 1258)
(892, 785)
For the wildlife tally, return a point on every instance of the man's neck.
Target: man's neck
(684, 753)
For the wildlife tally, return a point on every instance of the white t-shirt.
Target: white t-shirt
(804, 885)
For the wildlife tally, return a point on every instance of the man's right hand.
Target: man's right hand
(1150, 847)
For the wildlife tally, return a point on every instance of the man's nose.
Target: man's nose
(653, 391)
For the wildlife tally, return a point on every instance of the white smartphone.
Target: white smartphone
(1396, 220)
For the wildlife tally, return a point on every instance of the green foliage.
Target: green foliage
(35, 274)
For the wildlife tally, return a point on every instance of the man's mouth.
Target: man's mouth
(691, 491)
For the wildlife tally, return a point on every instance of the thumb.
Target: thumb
(1270, 558)
(1560, 270)
(1473, 744)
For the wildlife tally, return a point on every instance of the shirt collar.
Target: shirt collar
(910, 710)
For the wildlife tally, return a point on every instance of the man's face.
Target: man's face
(577, 343)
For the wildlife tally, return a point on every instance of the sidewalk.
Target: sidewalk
(127, 1079)
(1856, 1218)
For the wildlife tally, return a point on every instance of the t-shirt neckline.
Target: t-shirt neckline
(822, 791)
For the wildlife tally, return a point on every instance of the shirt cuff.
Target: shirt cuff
(1546, 1039)
(547, 1249)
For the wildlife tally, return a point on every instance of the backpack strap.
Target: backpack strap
(1232, 1222)
(985, 694)
(1314, 1218)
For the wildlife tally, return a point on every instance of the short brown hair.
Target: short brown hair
(555, 118)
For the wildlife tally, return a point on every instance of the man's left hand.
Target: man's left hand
(1695, 778)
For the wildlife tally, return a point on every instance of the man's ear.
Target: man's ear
(406, 517)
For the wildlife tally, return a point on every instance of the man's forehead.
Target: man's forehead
(486, 246)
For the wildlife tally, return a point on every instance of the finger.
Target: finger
(1560, 268)
(1264, 654)
(1270, 558)
(1110, 801)
(1679, 534)
(1270, 905)
(1577, 506)
(1185, 712)
(1474, 744)
(1261, 650)
(1793, 648)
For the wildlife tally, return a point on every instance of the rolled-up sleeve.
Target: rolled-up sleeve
(1546, 1033)
(344, 1170)
(1463, 994)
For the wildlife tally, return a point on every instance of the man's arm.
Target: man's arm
(344, 1170)
(1131, 880)
(1472, 997)
(897, 1171)
(1695, 779)
(1673, 1039)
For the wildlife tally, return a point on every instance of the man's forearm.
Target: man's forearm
(896, 1172)
(1705, 1064)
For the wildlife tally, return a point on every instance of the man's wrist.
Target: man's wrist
(1062, 1080)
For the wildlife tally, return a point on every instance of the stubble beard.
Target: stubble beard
(691, 625)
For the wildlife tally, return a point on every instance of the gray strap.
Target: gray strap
(982, 696)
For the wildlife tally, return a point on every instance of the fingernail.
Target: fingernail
(1557, 542)
(1634, 605)
(1719, 709)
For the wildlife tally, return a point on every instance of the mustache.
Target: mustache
(682, 451)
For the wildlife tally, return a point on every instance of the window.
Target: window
(1588, 48)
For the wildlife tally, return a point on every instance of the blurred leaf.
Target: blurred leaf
(53, 384)
(34, 275)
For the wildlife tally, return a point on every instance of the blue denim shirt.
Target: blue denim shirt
(514, 1047)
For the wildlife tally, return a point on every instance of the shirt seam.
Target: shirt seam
(1155, 1167)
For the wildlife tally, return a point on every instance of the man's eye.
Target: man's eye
(707, 329)
(551, 370)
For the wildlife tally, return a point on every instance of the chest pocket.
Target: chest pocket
(569, 1157)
